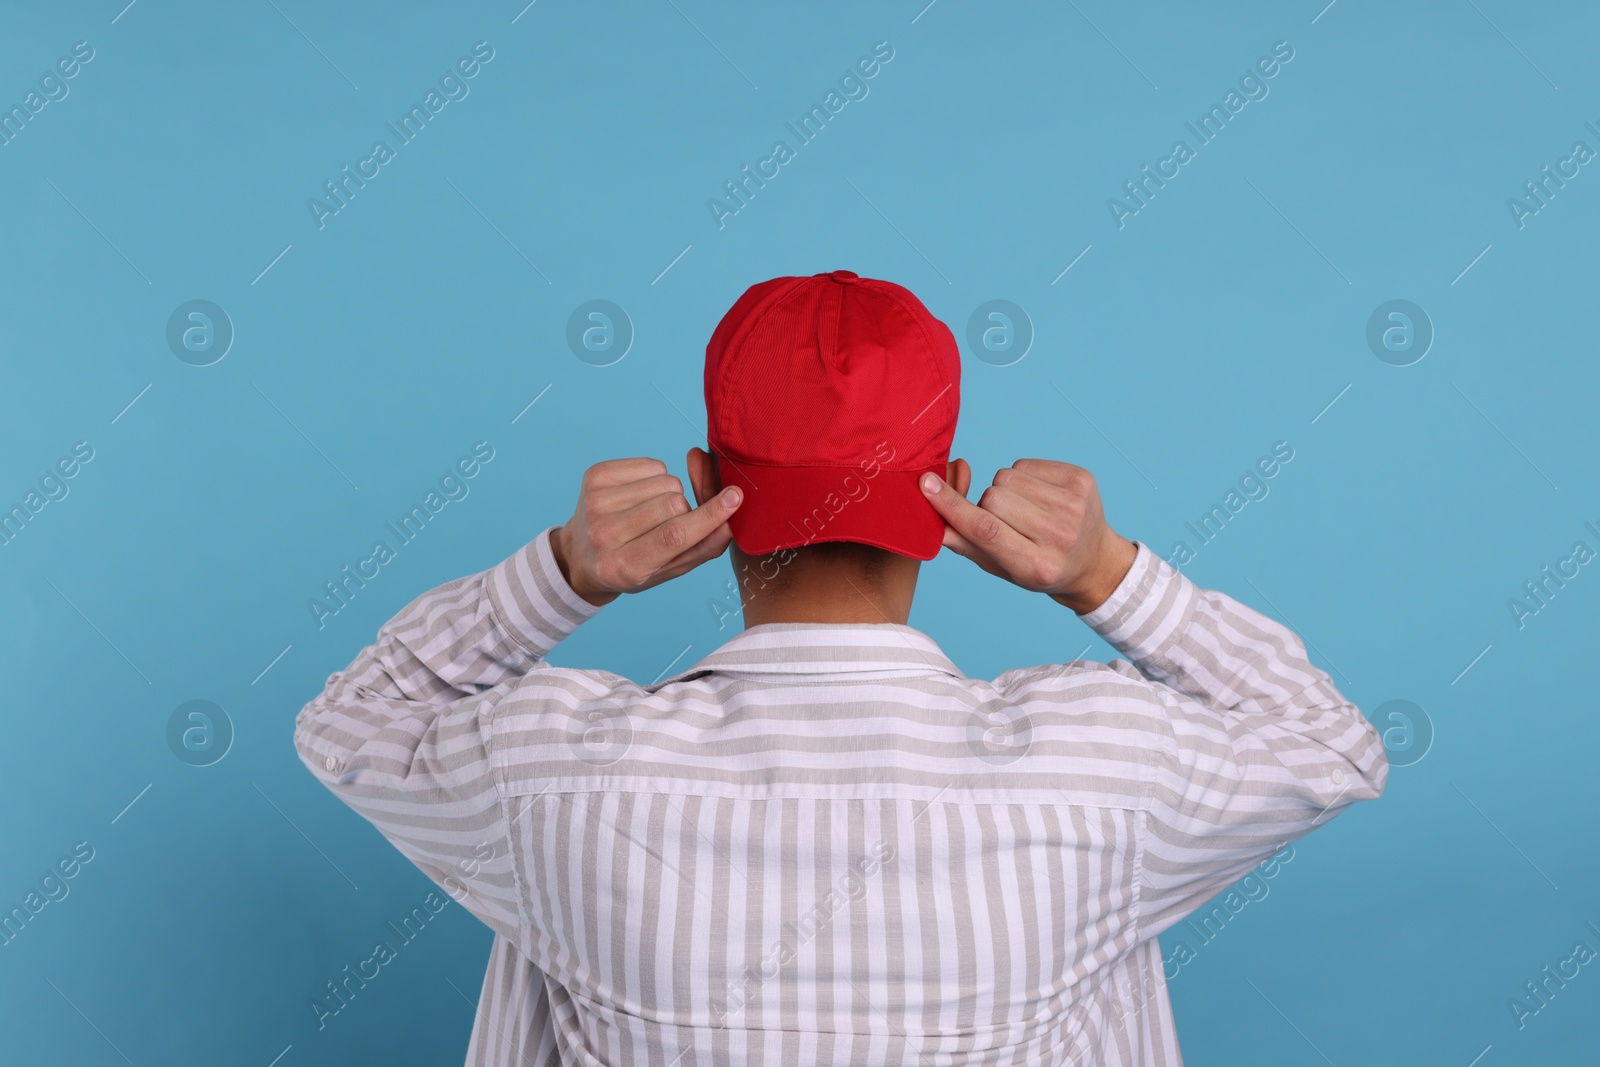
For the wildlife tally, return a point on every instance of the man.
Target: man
(823, 844)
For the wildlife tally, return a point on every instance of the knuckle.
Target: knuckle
(669, 508)
(985, 528)
(674, 537)
(996, 496)
(609, 574)
(605, 534)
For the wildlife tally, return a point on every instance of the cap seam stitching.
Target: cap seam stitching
(748, 325)
(897, 299)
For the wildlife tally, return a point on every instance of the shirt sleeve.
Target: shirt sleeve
(401, 735)
(1260, 749)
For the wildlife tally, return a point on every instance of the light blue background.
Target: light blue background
(1213, 325)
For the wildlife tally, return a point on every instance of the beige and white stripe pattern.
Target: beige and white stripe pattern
(823, 844)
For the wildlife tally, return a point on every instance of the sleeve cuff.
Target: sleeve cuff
(1147, 610)
(532, 601)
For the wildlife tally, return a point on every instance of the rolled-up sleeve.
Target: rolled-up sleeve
(402, 734)
(1261, 747)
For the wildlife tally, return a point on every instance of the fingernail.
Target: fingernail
(731, 496)
(931, 483)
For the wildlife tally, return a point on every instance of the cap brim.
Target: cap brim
(787, 507)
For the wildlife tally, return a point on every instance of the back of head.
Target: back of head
(827, 398)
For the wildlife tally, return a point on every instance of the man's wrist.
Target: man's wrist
(558, 549)
(1111, 567)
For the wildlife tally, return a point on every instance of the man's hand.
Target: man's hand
(634, 528)
(1040, 526)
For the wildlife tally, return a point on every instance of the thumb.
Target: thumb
(957, 511)
(701, 535)
(978, 527)
(689, 529)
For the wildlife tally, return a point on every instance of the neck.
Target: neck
(825, 591)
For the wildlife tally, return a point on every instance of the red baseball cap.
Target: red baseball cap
(827, 398)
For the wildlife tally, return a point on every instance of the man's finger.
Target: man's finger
(1050, 470)
(1031, 485)
(615, 498)
(1013, 505)
(646, 514)
(962, 547)
(622, 471)
(713, 546)
(653, 550)
(958, 544)
(982, 530)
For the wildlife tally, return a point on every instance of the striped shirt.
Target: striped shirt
(822, 843)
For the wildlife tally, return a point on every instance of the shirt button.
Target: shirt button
(330, 763)
(844, 276)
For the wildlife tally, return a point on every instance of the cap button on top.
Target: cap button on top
(844, 276)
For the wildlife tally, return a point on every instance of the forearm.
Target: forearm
(403, 737)
(1236, 661)
(1261, 747)
(454, 641)
(398, 736)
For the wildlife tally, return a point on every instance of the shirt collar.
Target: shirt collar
(824, 648)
